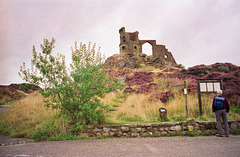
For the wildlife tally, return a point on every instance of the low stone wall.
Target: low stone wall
(186, 128)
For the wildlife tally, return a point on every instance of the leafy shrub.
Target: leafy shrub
(77, 92)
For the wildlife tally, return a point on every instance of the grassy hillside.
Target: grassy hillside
(148, 89)
(15, 92)
(145, 91)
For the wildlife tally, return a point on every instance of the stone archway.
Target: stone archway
(147, 49)
(152, 43)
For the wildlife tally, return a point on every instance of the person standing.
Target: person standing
(220, 108)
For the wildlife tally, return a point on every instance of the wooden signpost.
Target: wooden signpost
(185, 93)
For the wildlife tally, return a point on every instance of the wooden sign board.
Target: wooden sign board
(208, 86)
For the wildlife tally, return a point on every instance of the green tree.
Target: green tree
(75, 91)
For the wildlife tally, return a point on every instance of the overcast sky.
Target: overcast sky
(195, 31)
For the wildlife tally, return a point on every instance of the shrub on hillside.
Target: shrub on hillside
(128, 89)
(146, 87)
(161, 96)
(192, 85)
(116, 73)
(133, 78)
(199, 70)
(229, 73)
(139, 78)
(224, 67)
(28, 88)
(180, 66)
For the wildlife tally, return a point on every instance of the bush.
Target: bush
(138, 78)
(145, 88)
(199, 70)
(224, 67)
(77, 92)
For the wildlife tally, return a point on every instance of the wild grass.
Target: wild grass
(28, 117)
(137, 108)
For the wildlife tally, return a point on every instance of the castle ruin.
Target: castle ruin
(130, 44)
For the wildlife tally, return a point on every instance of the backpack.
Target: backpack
(218, 104)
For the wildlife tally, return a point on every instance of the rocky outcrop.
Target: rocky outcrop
(122, 61)
(134, 61)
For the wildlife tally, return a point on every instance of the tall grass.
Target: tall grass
(137, 108)
(29, 118)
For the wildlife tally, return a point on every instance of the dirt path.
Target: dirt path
(211, 146)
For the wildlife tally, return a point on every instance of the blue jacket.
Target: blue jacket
(225, 104)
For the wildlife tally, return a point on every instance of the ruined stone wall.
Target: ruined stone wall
(186, 128)
(130, 44)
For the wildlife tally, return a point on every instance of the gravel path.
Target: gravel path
(164, 146)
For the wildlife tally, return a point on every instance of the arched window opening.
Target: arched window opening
(147, 49)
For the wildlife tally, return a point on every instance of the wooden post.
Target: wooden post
(186, 96)
(221, 86)
(199, 98)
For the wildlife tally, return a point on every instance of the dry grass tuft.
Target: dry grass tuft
(134, 108)
(25, 115)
